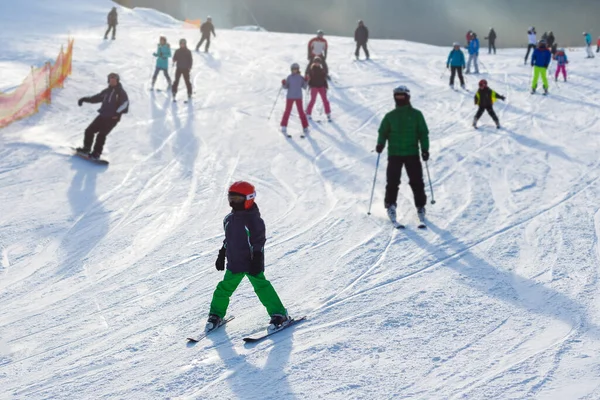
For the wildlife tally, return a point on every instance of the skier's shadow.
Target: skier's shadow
(158, 119)
(186, 146)
(263, 378)
(538, 145)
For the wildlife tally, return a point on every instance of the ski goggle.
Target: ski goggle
(239, 198)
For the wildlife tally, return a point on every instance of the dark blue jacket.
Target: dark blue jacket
(245, 234)
(114, 101)
(541, 57)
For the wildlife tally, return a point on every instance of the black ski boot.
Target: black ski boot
(83, 150)
(213, 322)
(278, 320)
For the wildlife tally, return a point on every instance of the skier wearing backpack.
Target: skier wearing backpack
(532, 40)
(588, 45)
(242, 255)
(184, 60)
(540, 60)
(491, 38)
(473, 54)
(206, 29)
(317, 81)
(115, 103)
(404, 130)
(456, 63)
(561, 64)
(294, 84)
(361, 37)
(112, 21)
(485, 99)
(162, 54)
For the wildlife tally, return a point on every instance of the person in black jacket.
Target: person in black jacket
(206, 28)
(317, 82)
(114, 104)
(243, 253)
(491, 37)
(183, 58)
(551, 42)
(361, 37)
(485, 99)
(112, 20)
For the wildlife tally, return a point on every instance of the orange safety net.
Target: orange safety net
(36, 88)
(192, 23)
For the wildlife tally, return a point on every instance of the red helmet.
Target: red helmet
(483, 82)
(242, 191)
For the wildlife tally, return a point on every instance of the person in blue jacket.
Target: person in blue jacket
(588, 44)
(456, 63)
(162, 54)
(540, 60)
(473, 54)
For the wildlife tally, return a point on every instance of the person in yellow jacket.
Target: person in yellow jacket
(485, 99)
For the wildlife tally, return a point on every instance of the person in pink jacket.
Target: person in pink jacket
(294, 84)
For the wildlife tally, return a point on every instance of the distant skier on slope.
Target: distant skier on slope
(243, 254)
(361, 37)
(456, 63)
(598, 45)
(162, 54)
(551, 42)
(206, 29)
(468, 37)
(561, 64)
(588, 45)
(473, 54)
(540, 60)
(317, 47)
(294, 84)
(115, 103)
(112, 20)
(184, 60)
(404, 129)
(491, 38)
(485, 99)
(317, 81)
(532, 40)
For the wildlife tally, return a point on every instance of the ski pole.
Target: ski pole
(374, 180)
(443, 73)
(485, 66)
(274, 104)
(430, 186)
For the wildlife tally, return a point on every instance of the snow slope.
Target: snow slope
(104, 272)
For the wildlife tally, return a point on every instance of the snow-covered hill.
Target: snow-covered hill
(104, 272)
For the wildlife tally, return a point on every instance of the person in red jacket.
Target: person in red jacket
(317, 81)
(598, 45)
(469, 37)
(317, 47)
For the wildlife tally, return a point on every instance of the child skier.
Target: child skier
(561, 64)
(456, 63)
(588, 44)
(317, 81)
(485, 99)
(162, 54)
(540, 60)
(294, 85)
(243, 248)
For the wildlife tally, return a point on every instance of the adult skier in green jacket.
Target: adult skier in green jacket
(405, 130)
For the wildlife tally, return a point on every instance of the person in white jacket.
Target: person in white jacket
(532, 42)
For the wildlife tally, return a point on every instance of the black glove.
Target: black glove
(379, 148)
(258, 263)
(425, 156)
(502, 98)
(220, 263)
(81, 101)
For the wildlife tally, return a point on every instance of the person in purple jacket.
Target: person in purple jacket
(294, 85)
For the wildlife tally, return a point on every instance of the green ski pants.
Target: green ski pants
(262, 287)
(537, 71)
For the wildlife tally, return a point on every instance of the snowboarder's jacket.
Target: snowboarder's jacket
(163, 52)
(550, 40)
(474, 46)
(486, 97)
(361, 34)
(541, 57)
(206, 28)
(561, 58)
(531, 35)
(245, 234)
(491, 36)
(317, 77)
(114, 101)
(294, 84)
(456, 58)
(404, 128)
(112, 18)
(317, 47)
(183, 58)
(588, 39)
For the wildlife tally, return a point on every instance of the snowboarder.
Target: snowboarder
(540, 60)
(317, 81)
(473, 54)
(317, 47)
(162, 54)
(531, 37)
(491, 38)
(485, 99)
(294, 84)
(184, 60)
(456, 63)
(243, 253)
(588, 45)
(561, 64)
(112, 20)
(206, 28)
(405, 130)
(361, 37)
(114, 104)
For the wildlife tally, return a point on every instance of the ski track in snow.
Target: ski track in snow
(105, 271)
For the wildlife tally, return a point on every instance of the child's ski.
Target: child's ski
(254, 339)
(202, 336)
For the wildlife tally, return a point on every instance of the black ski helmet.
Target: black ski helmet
(182, 41)
(113, 75)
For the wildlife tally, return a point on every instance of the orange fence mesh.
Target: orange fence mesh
(36, 89)
(192, 23)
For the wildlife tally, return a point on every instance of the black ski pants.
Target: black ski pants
(165, 72)
(114, 31)
(100, 127)
(453, 72)
(414, 170)
(529, 48)
(364, 47)
(492, 46)
(202, 39)
(186, 77)
(490, 110)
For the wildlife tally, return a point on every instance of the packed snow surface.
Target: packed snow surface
(105, 271)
